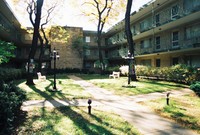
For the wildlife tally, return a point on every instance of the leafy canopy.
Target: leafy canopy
(6, 51)
(92, 8)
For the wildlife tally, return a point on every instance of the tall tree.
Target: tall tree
(44, 41)
(132, 75)
(34, 45)
(101, 11)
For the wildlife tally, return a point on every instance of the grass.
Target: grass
(73, 121)
(182, 109)
(141, 87)
(40, 90)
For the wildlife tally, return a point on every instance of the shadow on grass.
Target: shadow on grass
(92, 76)
(78, 119)
(59, 94)
(166, 84)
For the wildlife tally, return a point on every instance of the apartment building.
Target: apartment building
(91, 54)
(11, 31)
(165, 33)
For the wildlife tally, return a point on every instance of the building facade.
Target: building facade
(165, 33)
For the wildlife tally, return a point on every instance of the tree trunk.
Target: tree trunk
(100, 52)
(41, 54)
(130, 41)
(34, 41)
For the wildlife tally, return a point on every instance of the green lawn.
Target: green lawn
(73, 121)
(183, 109)
(67, 89)
(70, 90)
(141, 87)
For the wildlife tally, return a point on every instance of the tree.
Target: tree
(79, 44)
(132, 75)
(6, 51)
(44, 41)
(34, 9)
(34, 45)
(101, 12)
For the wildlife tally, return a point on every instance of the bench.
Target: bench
(114, 75)
(41, 77)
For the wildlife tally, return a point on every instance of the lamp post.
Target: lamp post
(54, 55)
(130, 72)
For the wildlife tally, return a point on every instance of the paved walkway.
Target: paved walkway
(145, 120)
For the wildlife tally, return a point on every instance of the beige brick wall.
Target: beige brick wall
(69, 56)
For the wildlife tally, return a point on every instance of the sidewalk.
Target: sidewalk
(145, 120)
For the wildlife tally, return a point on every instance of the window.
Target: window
(174, 12)
(157, 40)
(46, 52)
(175, 61)
(157, 62)
(146, 24)
(175, 39)
(146, 62)
(133, 30)
(143, 26)
(88, 65)
(145, 43)
(191, 5)
(87, 52)
(87, 39)
(193, 31)
(125, 35)
(117, 37)
(142, 44)
(157, 20)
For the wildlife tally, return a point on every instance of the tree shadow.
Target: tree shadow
(78, 119)
(82, 123)
(159, 83)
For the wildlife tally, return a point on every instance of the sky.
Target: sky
(69, 16)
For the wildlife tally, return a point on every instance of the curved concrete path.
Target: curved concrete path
(145, 120)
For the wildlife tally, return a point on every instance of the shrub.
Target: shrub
(11, 100)
(178, 73)
(111, 69)
(10, 74)
(124, 70)
(196, 88)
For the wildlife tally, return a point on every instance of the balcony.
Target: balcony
(191, 43)
(180, 19)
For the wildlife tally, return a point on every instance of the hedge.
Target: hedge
(10, 74)
(11, 100)
(177, 73)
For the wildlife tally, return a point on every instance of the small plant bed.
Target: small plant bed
(73, 121)
(42, 89)
(183, 109)
(142, 86)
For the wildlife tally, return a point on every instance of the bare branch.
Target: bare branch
(89, 3)
(104, 19)
(30, 10)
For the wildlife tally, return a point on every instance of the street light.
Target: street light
(130, 58)
(54, 55)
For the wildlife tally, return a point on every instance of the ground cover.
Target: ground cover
(67, 89)
(141, 87)
(73, 121)
(182, 109)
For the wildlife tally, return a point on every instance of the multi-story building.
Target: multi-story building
(165, 32)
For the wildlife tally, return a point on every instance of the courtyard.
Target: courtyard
(132, 111)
